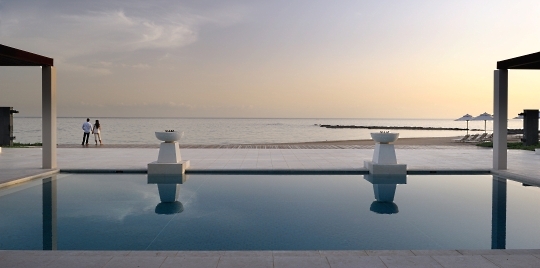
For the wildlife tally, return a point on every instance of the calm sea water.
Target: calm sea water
(235, 130)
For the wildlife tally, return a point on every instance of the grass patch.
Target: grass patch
(25, 145)
(511, 145)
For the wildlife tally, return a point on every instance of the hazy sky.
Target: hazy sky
(306, 58)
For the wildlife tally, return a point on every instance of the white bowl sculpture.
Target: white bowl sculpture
(169, 136)
(384, 137)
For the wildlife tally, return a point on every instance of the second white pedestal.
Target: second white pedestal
(156, 168)
(385, 169)
(169, 152)
(384, 154)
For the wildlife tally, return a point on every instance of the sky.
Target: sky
(270, 59)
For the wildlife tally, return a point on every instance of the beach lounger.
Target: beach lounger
(488, 138)
(462, 139)
(478, 138)
(471, 138)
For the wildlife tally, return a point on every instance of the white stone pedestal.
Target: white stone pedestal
(384, 154)
(392, 169)
(384, 157)
(169, 152)
(168, 168)
(169, 160)
(384, 161)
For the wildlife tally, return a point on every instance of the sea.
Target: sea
(206, 131)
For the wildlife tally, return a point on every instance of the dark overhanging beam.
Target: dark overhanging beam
(10, 56)
(525, 62)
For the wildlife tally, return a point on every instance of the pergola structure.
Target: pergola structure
(15, 57)
(500, 100)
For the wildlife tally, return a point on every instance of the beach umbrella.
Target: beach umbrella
(485, 117)
(467, 118)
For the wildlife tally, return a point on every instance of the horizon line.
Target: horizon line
(165, 117)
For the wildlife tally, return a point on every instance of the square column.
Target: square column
(500, 120)
(48, 106)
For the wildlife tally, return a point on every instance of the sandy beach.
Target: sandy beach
(425, 141)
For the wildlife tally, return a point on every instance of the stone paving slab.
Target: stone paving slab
(222, 259)
(264, 146)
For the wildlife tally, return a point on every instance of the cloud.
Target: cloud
(87, 69)
(115, 32)
(140, 66)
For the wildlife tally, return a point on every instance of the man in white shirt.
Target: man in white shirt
(87, 127)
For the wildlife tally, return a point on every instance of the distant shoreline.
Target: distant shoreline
(427, 142)
(399, 127)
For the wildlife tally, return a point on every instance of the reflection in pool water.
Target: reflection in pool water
(229, 212)
(168, 208)
(384, 188)
(168, 188)
(50, 235)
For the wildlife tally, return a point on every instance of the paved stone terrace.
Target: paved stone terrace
(259, 146)
(273, 259)
(17, 163)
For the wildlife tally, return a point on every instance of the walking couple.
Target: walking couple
(95, 129)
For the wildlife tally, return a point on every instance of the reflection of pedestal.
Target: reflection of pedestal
(384, 189)
(168, 185)
(169, 160)
(384, 192)
(384, 186)
(168, 192)
(169, 189)
(384, 160)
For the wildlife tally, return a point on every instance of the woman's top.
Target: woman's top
(96, 130)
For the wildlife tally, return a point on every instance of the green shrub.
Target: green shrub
(23, 145)
(511, 145)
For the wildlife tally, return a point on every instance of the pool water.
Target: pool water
(269, 212)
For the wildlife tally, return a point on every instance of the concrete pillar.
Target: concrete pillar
(500, 121)
(48, 104)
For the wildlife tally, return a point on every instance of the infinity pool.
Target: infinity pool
(269, 212)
